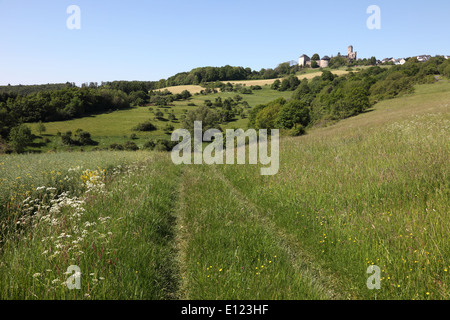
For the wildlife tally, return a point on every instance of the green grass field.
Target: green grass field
(116, 127)
(369, 190)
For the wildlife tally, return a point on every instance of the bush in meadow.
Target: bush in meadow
(130, 146)
(145, 126)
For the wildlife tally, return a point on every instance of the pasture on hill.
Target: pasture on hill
(117, 126)
(309, 74)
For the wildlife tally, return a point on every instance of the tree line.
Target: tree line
(203, 75)
(196, 76)
(24, 90)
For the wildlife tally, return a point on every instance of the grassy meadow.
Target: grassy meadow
(117, 126)
(369, 190)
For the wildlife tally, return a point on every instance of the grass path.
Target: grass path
(229, 250)
(180, 242)
(320, 279)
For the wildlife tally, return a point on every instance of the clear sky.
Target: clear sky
(154, 39)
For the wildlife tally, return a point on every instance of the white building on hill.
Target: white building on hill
(304, 61)
(423, 58)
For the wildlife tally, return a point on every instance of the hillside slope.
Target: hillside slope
(197, 89)
(369, 190)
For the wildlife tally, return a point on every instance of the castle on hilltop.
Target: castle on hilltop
(304, 60)
(351, 55)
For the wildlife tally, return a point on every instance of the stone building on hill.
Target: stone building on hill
(352, 55)
(324, 62)
(305, 61)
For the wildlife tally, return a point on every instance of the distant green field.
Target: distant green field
(116, 127)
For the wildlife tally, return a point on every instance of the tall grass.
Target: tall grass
(372, 190)
(21, 175)
(120, 235)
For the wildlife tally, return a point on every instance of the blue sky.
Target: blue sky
(150, 40)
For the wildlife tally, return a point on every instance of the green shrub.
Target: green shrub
(276, 85)
(185, 95)
(245, 90)
(145, 126)
(447, 71)
(164, 145)
(168, 129)
(298, 130)
(131, 146)
(149, 145)
(116, 146)
(210, 118)
(263, 116)
(160, 147)
(159, 115)
(266, 118)
(82, 138)
(292, 113)
(66, 138)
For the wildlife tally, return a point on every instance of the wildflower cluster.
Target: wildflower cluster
(57, 226)
(94, 180)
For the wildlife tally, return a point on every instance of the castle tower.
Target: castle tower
(351, 55)
(324, 62)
